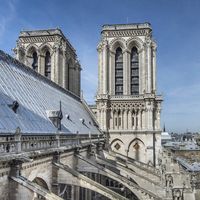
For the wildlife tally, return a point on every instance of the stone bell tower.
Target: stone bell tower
(128, 108)
(50, 53)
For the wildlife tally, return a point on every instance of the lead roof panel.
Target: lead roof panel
(35, 95)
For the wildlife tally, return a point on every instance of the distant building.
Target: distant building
(165, 137)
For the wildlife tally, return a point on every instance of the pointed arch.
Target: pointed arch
(41, 182)
(32, 56)
(136, 150)
(134, 42)
(118, 71)
(30, 49)
(117, 42)
(44, 48)
(118, 145)
(134, 75)
(70, 73)
(47, 67)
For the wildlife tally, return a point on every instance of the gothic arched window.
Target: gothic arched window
(134, 71)
(48, 65)
(118, 72)
(35, 61)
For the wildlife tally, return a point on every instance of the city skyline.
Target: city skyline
(174, 29)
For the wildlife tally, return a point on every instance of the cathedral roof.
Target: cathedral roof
(27, 98)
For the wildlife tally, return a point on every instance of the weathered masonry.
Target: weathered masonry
(127, 105)
(51, 146)
(50, 53)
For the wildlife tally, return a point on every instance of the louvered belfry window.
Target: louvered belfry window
(48, 65)
(119, 72)
(35, 61)
(134, 71)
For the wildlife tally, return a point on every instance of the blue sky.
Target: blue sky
(176, 28)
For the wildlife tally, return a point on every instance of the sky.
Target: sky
(176, 29)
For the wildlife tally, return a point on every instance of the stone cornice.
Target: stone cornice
(125, 33)
(130, 26)
(40, 36)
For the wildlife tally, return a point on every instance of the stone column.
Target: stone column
(150, 118)
(144, 119)
(158, 118)
(126, 78)
(65, 71)
(141, 122)
(128, 75)
(17, 137)
(111, 119)
(129, 120)
(125, 119)
(135, 120)
(41, 64)
(99, 118)
(105, 67)
(56, 70)
(100, 71)
(141, 71)
(55, 170)
(112, 73)
(122, 120)
(104, 119)
(149, 83)
(15, 168)
(154, 67)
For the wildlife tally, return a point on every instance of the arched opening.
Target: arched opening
(107, 182)
(35, 61)
(70, 75)
(134, 71)
(118, 146)
(41, 183)
(118, 72)
(48, 65)
(136, 150)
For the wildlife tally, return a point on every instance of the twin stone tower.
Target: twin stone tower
(127, 106)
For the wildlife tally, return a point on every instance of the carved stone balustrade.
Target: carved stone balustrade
(26, 143)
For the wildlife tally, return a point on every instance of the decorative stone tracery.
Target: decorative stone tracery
(133, 108)
(61, 54)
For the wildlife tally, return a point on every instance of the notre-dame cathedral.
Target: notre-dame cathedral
(127, 106)
(54, 146)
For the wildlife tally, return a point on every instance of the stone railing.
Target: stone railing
(18, 142)
(144, 166)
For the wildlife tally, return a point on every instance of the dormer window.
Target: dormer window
(55, 116)
(14, 106)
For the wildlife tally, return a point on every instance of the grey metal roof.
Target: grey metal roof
(37, 95)
(193, 167)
